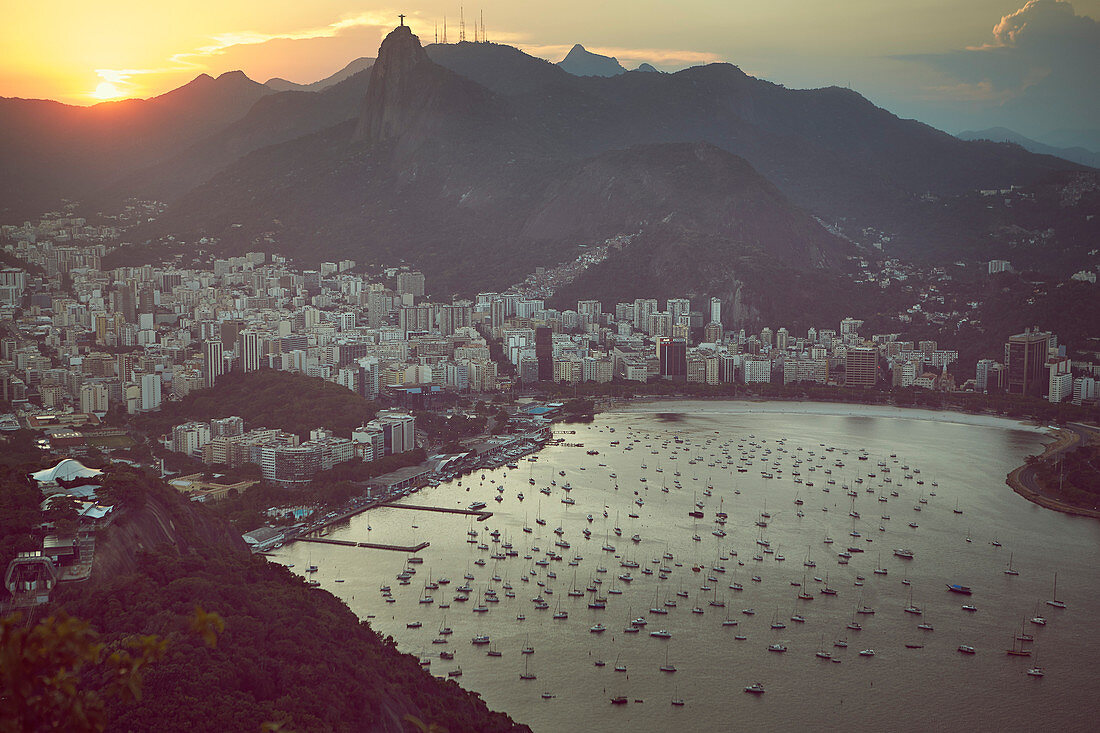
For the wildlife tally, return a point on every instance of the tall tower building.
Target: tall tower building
(249, 350)
(213, 356)
(715, 310)
(672, 356)
(861, 367)
(1025, 363)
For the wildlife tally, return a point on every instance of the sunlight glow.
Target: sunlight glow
(106, 90)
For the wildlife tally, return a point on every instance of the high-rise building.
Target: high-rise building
(672, 355)
(988, 376)
(591, 308)
(715, 310)
(249, 350)
(677, 307)
(150, 392)
(213, 365)
(782, 339)
(757, 371)
(1025, 362)
(93, 397)
(544, 352)
(411, 283)
(861, 367)
(712, 332)
(644, 308)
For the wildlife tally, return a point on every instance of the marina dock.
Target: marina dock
(481, 514)
(367, 545)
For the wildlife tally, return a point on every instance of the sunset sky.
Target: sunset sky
(1031, 65)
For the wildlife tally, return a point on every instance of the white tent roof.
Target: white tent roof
(68, 469)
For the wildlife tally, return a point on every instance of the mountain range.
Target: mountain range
(1076, 154)
(282, 85)
(479, 163)
(582, 62)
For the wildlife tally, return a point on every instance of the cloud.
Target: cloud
(235, 42)
(1039, 64)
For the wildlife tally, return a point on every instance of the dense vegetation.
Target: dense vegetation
(1074, 477)
(289, 654)
(268, 398)
(20, 516)
(240, 642)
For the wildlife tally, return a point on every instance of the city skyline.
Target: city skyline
(1023, 65)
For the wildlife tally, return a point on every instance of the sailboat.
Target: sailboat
(1036, 671)
(1017, 649)
(667, 667)
(1054, 601)
(526, 674)
(821, 653)
(1011, 570)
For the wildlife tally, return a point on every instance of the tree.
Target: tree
(46, 672)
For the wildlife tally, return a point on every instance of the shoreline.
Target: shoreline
(1064, 440)
(814, 407)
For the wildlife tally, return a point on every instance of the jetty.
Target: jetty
(481, 514)
(367, 545)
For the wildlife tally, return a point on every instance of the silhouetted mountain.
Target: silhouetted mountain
(49, 150)
(1004, 135)
(282, 85)
(273, 119)
(581, 62)
(1065, 138)
(646, 67)
(479, 163)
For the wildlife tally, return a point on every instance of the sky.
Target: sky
(1030, 65)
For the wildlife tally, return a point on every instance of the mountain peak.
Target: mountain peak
(582, 62)
(397, 86)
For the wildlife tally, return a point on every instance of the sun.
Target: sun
(106, 90)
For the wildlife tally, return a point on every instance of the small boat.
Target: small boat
(963, 589)
(755, 688)
(966, 649)
(1054, 601)
(867, 653)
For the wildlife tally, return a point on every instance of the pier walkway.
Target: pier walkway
(367, 545)
(481, 514)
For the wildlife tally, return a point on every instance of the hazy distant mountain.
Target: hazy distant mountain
(273, 119)
(479, 163)
(1004, 135)
(50, 150)
(1087, 139)
(646, 67)
(581, 62)
(478, 189)
(282, 85)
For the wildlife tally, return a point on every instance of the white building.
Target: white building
(757, 371)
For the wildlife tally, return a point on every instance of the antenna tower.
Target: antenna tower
(461, 25)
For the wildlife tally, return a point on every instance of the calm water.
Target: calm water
(897, 688)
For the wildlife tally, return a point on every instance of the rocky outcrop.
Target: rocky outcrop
(164, 522)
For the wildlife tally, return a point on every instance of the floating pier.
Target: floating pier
(367, 545)
(481, 514)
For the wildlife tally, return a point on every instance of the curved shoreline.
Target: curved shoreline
(1064, 440)
(841, 409)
